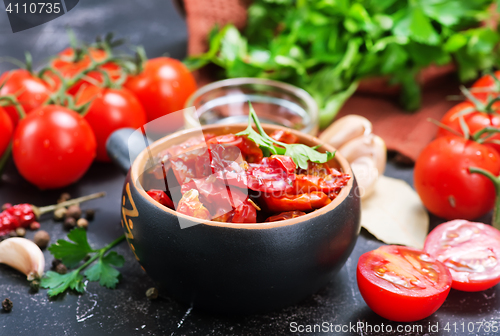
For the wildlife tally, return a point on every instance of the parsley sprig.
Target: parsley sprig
(300, 154)
(72, 254)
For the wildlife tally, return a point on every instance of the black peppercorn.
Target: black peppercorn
(61, 269)
(74, 211)
(55, 263)
(7, 305)
(69, 223)
(42, 239)
(152, 293)
(90, 214)
(21, 232)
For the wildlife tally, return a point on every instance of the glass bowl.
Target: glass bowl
(226, 102)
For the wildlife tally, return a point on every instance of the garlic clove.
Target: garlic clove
(346, 129)
(23, 255)
(366, 173)
(371, 146)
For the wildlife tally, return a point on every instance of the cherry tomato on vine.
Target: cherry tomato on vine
(162, 88)
(6, 130)
(486, 87)
(110, 109)
(30, 91)
(69, 64)
(53, 147)
(471, 251)
(444, 183)
(402, 284)
(475, 121)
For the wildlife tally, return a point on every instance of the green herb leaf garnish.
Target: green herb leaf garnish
(71, 254)
(300, 154)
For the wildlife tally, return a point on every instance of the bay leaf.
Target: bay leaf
(394, 214)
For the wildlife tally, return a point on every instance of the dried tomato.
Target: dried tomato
(285, 215)
(285, 137)
(161, 197)
(190, 205)
(249, 149)
(301, 202)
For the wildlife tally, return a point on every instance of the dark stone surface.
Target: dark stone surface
(126, 310)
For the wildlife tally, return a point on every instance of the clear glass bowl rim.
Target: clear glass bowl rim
(310, 104)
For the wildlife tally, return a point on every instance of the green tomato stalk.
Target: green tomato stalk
(496, 183)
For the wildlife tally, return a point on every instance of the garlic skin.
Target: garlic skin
(367, 155)
(346, 129)
(23, 255)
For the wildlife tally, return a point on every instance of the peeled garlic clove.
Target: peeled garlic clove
(371, 146)
(366, 173)
(23, 255)
(346, 129)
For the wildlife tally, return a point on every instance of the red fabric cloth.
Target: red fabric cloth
(404, 132)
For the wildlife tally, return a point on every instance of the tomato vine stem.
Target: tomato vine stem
(496, 183)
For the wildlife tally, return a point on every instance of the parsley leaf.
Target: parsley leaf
(58, 283)
(71, 254)
(300, 154)
(103, 271)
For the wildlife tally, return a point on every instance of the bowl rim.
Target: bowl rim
(292, 89)
(142, 159)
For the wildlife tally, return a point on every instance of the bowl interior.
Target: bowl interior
(141, 162)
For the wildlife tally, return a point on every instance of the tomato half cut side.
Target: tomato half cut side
(471, 251)
(402, 284)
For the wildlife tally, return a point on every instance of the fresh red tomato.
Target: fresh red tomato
(162, 88)
(68, 66)
(475, 121)
(486, 87)
(444, 183)
(6, 130)
(53, 147)
(402, 284)
(471, 251)
(111, 109)
(30, 91)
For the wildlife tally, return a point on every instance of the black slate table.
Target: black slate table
(127, 311)
(337, 309)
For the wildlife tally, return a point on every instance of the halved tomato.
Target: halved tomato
(402, 284)
(471, 251)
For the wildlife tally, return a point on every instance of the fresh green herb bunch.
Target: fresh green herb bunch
(328, 46)
(72, 254)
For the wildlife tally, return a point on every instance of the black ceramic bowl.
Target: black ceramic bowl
(237, 268)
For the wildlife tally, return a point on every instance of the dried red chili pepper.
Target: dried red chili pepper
(22, 215)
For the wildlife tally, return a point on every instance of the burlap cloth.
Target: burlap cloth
(404, 133)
